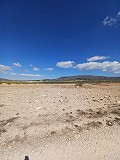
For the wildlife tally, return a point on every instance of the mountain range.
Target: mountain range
(79, 77)
(85, 77)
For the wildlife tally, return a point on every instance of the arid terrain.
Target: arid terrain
(60, 121)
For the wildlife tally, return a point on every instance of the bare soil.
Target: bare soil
(60, 121)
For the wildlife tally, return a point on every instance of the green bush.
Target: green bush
(0, 82)
(79, 83)
(8, 83)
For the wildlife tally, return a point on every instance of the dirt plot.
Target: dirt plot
(46, 121)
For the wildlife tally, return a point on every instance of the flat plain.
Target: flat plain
(60, 121)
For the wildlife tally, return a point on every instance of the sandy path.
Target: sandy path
(49, 122)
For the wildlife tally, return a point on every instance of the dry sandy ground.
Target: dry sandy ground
(60, 122)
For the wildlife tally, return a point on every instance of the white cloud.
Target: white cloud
(36, 69)
(118, 14)
(4, 69)
(49, 69)
(65, 64)
(31, 75)
(111, 21)
(96, 58)
(30, 65)
(103, 66)
(17, 64)
(27, 75)
(13, 74)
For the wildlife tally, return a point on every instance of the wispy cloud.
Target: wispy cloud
(65, 64)
(27, 75)
(103, 66)
(13, 74)
(111, 21)
(118, 15)
(36, 69)
(17, 64)
(4, 69)
(49, 69)
(96, 58)
(30, 65)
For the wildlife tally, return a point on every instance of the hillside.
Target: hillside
(3, 79)
(85, 77)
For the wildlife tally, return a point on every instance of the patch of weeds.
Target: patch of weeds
(116, 111)
(97, 114)
(53, 132)
(78, 127)
(79, 83)
(90, 110)
(95, 100)
(1, 105)
(8, 83)
(2, 130)
(81, 112)
(94, 124)
(70, 119)
(117, 119)
(5, 122)
(100, 113)
(99, 122)
(18, 139)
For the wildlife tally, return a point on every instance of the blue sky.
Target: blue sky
(48, 39)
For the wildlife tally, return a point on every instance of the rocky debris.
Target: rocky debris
(61, 113)
(118, 102)
(53, 132)
(117, 119)
(2, 130)
(1, 105)
(116, 111)
(5, 122)
(79, 128)
(94, 124)
(109, 122)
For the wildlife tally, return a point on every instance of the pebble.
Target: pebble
(118, 102)
(38, 108)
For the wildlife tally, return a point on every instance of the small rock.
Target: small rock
(117, 119)
(38, 108)
(118, 102)
(76, 125)
(53, 132)
(109, 123)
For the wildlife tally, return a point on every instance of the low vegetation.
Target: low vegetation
(76, 82)
(79, 83)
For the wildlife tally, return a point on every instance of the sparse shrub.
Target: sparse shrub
(79, 83)
(8, 83)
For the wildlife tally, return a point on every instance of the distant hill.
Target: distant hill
(3, 79)
(75, 78)
(85, 77)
